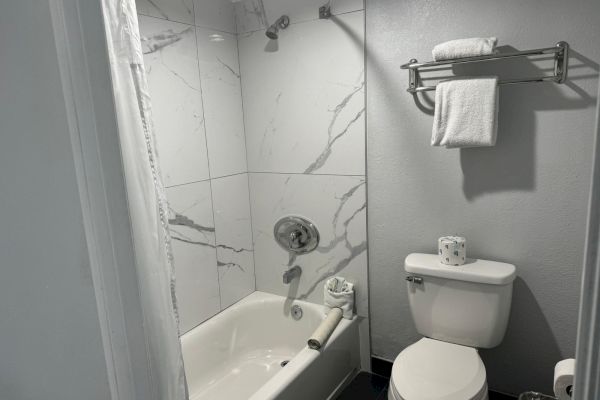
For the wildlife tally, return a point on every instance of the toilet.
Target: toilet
(457, 309)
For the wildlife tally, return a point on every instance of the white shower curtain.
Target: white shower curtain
(147, 202)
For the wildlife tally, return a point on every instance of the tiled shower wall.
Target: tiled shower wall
(303, 116)
(194, 81)
(305, 132)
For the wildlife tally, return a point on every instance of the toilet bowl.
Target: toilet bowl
(457, 309)
(431, 369)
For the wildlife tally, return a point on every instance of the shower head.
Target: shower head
(282, 23)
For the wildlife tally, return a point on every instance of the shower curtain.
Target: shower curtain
(147, 201)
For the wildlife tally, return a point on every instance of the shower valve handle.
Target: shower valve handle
(296, 234)
(297, 238)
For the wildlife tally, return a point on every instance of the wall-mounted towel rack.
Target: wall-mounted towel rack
(561, 65)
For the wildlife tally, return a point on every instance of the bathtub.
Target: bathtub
(241, 353)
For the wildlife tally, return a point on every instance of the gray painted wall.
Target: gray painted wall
(50, 344)
(523, 201)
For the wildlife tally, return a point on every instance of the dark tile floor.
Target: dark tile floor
(500, 396)
(366, 386)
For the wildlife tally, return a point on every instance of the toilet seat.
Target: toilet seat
(434, 370)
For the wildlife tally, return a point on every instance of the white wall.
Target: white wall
(194, 81)
(50, 343)
(523, 201)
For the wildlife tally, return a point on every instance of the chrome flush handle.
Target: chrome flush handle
(414, 279)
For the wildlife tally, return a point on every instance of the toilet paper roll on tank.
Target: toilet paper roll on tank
(452, 250)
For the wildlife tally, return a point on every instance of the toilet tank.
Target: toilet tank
(467, 304)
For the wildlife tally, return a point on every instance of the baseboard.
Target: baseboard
(493, 395)
(381, 366)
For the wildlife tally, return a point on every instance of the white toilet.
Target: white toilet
(457, 309)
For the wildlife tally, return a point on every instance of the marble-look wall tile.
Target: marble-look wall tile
(223, 112)
(304, 98)
(337, 206)
(253, 15)
(215, 14)
(235, 258)
(172, 10)
(303, 117)
(193, 238)
(171, 62)
(250, 15)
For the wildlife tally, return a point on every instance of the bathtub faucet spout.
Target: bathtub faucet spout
(291, 274)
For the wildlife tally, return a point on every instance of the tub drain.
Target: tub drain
(284, 363)
(296, 312)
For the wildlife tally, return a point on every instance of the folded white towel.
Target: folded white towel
(339, 293)
(464, 48)
(466, 112)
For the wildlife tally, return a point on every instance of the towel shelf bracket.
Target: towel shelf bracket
(561, 66)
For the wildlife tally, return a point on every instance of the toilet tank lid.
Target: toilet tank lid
(474, 270)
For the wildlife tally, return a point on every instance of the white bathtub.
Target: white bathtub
(237, 354)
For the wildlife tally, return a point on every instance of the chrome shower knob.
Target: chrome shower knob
(296, 234)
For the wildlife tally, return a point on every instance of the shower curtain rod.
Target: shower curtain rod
(561, 65)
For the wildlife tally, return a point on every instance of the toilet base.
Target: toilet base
(391, 395)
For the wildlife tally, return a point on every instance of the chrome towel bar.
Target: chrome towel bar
(561, 66)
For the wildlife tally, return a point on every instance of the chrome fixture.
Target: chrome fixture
(291, 274)
(282, 23)
(296, 312)
(560, 53)
(414, 279)
(296, 234)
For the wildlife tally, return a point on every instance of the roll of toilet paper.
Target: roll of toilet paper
(452, 250)
(325, 329)
(563, 379)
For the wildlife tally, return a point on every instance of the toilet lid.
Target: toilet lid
(432, 369)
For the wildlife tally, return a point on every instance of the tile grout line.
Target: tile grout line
(302, 173)
(237, 44)
(260, 172)
(252, 31)
(186, 23)
(212, 205)
(205, 180)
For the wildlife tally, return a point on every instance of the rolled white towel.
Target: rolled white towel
(325, 329)
(460, 48)
(338, 292)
